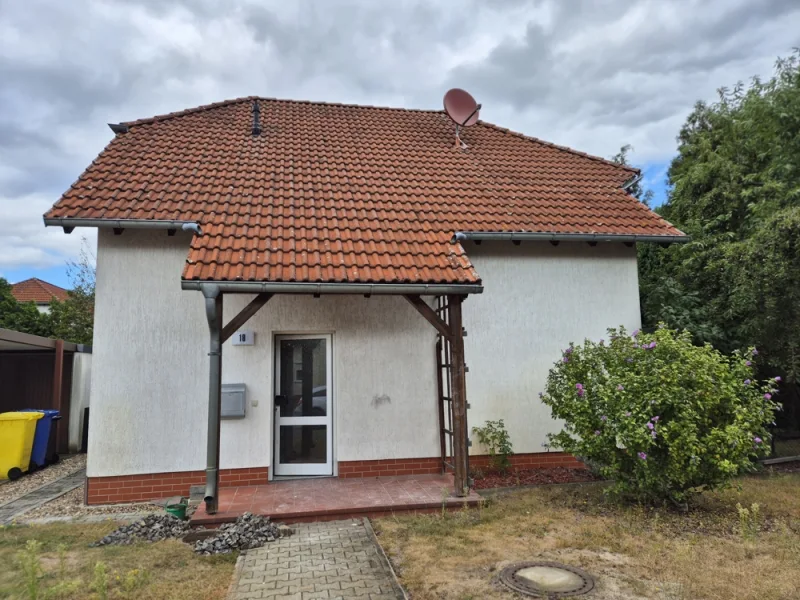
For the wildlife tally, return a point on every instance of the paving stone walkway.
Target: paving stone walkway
(39, 496)
(334, 559)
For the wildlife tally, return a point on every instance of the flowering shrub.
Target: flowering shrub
(661, 418)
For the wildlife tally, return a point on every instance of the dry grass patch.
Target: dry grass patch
(635, 552)
(68, 569)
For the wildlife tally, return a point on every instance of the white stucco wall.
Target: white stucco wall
(79, 399)
(150, 371)
(150, 365)
(537, 299)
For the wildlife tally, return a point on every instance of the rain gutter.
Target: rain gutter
(254, 287)
(66, 222)
(523, 236)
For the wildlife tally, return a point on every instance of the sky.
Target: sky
(592, 75)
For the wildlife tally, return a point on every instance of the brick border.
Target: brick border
(142, 488)
(389, 467)
(149, 486)
(429, 466)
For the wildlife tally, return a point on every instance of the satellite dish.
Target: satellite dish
(461, 107)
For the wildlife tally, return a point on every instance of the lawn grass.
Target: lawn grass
(69, 568)
(635, 552)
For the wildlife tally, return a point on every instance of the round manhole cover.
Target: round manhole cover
(546, 580)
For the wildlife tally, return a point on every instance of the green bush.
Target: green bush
(659, 417)
(494, 436)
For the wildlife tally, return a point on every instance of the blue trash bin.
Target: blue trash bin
(41, 438)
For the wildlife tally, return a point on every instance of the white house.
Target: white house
(320, 239)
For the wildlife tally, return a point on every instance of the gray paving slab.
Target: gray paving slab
(46, 493)
(333, 559)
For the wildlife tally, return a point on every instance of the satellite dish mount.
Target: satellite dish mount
(462, 109)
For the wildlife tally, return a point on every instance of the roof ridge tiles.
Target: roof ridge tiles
(232, 101)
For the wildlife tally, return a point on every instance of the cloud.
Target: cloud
(589, 74)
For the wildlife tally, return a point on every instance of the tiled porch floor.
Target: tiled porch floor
(334, 498)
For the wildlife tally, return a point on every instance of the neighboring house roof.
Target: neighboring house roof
(36, 290)
(343, 193)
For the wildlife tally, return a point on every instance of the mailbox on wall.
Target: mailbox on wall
(233, 399)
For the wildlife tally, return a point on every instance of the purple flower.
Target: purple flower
(642, 455)
(541, 394)
(628, 413)
(635, 333)
(767, 396)
(655, 419)
(569, 350)
(757, 440)
(651, 345)
(566, 359)
(604, 418)
(747, 382)
(597, 432)
(580, 389)
(620, 388)
(654, 434)
(778, 378)
(602, 341)
(748, 363)
(650, 426)
(755, 352)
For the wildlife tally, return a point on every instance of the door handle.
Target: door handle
(281, 401)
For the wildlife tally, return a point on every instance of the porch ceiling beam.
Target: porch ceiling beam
(244, 316)
(429, 314)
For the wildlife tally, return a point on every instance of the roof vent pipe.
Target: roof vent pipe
(256, 118)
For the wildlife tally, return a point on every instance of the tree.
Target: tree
(22, 316)
(73, 319)
(735, 189)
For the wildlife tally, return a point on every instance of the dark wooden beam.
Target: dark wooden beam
(171, 232)
(68, 229)
(592, 244)
(459, 393)
(118, 230)
(58, 387)
(244, 316)
(554, 242)
(430, 315)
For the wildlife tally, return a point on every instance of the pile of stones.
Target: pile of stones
(249, 531)
(153, 528)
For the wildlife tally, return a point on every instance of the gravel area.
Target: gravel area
(11, 490)
(71, 505)
(249, 531)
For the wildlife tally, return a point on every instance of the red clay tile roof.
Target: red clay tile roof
(342, 193)
(36, 290)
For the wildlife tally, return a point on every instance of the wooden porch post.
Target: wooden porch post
(58, 382)
(460, 437)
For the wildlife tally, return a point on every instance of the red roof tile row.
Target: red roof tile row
(338, 193)
(36, 290)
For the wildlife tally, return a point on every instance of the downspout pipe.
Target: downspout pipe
(213, 300)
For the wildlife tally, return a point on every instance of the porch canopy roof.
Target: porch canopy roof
(307, 193)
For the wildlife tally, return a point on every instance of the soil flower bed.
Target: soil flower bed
(538, 476)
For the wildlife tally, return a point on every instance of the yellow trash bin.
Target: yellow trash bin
(16, 441)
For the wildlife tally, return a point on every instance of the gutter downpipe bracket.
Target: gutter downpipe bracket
(213, 300)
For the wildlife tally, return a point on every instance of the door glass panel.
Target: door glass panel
(303, 377)
(304, 444)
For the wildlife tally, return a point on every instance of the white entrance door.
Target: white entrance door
(303, 405)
